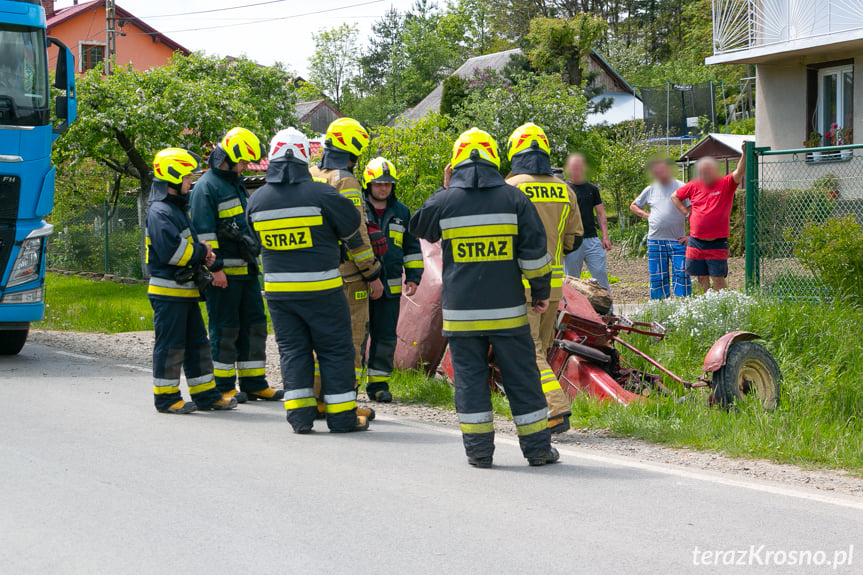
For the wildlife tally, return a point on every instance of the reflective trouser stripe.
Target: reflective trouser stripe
(251, 368)
(482, 422)
(377, 376)
(166, 386)
(224, 369)
(299, 398)
(549, 381)
(341, 402)
(201, 384)
(533, 422)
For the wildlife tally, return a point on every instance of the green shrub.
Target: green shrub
(833, 251)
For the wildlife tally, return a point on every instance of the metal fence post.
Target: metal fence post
(751, 222)
(107, 244)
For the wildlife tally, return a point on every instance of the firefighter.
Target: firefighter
(530, 156)
(299, 223)
(238, 322)
(401, 251)
(175, 261)
(491, 236)
(344, 141)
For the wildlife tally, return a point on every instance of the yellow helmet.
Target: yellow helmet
(523, 138)
(348, 135)
(241, 144)
(380, 170)
(475, 140)
(173, 164)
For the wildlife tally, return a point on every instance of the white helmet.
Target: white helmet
(290, 144)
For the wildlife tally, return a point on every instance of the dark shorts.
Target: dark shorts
(707, 257)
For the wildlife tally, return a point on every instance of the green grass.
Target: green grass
(79, 304)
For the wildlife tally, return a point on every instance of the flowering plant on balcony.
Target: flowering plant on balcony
(839, 136)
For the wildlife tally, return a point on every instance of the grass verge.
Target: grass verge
(79, 304)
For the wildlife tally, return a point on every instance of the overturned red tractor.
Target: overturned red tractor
(586, 355)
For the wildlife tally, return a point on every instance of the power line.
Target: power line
(214, 9)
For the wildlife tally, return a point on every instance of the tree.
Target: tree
(334, 64)
(623, 175)
(125, 118)
(420, 150)
(565, 43)
(382, 62)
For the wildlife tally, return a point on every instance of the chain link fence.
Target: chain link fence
(104, 238)
(789, 194)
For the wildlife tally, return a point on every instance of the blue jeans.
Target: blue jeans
(591, 253)
(666, 260)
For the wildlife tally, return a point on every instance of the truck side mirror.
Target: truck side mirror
(66, 106)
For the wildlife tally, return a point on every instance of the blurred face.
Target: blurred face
(661, 172)
(186, 184)
(241, 166)
(381, 190)
(708, 171)
(576, 169)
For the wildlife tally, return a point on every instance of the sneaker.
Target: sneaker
(553, 456)
(480, 462)
(382, 396)
(181, 407)
(223, 404)
(268, 394)
(559, 424)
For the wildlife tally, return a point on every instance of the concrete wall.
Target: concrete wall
(780, 120)
(135, 47)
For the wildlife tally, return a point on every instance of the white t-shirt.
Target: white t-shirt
(665, 221)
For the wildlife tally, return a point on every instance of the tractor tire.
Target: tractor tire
(12, 341)
(749, 370)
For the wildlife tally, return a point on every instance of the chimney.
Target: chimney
(48, 5)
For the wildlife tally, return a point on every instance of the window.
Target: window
(834, 111)
(23, 75)
(92, 55)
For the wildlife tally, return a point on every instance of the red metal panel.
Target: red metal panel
(715, 358)
(578, 376)
(420, 341)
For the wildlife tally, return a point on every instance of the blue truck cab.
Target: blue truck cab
(27, 132)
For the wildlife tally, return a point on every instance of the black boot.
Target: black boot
(551, 457)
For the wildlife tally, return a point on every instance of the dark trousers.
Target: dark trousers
(383, 321)
(181, 344)
(321, 325)
(238, 334)
(514, 353)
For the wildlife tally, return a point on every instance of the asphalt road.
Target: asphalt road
(94, 481)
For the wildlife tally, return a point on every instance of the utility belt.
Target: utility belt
(229, 232)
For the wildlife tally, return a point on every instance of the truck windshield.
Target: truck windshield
(23, 75)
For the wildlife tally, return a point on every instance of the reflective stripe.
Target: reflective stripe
(161, 286)
(561, 227)
(397, 228)
(479, 225)
(234, 262)
(302, 281)
(199, 380)
(236, 271)
(341, 397)
(395, 285)
(250, 364)
(230, 208)
(531, 417)
(207, 237)
(377, 375)
(341, 402)
(478, 231)
(477, 427)
(479, 417)
(531, 428)
(166, 386)
(546, 374)
(301, 393)
(224, 369)
(485, 325)
(341, 407)
(414, 265)
(287, 218)
(413, 261)
(550, 386)
(353, 195)
(535, 268)
(301, 403)
(363, 255)
(203, 386)
(183, 253)
(478, 314)
(251, 372)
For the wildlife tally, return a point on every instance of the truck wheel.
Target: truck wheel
(749, 370)
(12, 341)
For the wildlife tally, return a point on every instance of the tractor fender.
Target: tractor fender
(715, 358)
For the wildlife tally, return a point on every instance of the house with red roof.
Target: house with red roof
(82, 28)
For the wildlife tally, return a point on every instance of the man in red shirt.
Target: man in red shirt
(709, 214)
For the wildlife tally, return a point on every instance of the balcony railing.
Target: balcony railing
(745, 24)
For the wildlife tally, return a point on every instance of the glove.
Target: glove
(377, 239)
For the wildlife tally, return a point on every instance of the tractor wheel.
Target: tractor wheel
(12, 341)
(749, 370)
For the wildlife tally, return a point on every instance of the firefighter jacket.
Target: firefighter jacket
(219, 198)
(172, 246)
(299, 224)
(403, 250)
(492, 235)
(557, 208)
(333, 170)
